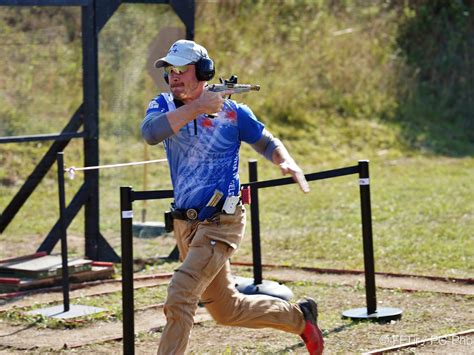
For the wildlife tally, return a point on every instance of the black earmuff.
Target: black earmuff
(204, 69)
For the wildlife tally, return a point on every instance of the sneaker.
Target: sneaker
(312, 335)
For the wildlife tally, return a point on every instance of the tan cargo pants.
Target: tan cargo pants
(205, 275)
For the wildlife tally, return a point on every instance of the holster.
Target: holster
(168, 222)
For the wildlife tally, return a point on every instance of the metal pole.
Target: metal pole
(127, 270)
(364, 184)
(63, 231)
(90, 64)
(146, 157)
(254, 213)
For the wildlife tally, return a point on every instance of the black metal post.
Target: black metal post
(254, 213)
(185, 9)
(371, 312)
(364, 185)
(63, 230)
(259, 286)
(126, 215)
(90, 64)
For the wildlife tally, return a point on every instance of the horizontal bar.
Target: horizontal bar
(310, 177)
(42, 137)
(159, 194)
(151, 195)
(44, 2)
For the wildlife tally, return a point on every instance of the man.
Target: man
(202, 133)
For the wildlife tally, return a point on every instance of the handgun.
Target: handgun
(231, 85)
(234, 88)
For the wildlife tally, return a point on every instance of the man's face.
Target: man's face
(183, 82)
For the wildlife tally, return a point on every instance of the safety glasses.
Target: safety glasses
(178, 69)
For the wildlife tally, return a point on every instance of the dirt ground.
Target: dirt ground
(430, 308)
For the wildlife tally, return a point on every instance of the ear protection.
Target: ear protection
(205, 70)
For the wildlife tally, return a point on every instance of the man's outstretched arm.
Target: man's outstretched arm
(274, 150)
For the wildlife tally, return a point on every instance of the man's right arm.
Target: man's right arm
(158, 126)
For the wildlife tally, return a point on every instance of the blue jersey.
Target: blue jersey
(207, 159)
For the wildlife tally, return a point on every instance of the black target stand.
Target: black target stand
(371, 312)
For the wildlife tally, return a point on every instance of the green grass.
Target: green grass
(110, 303)
(421, 209)
(333, 97)
(381, 89)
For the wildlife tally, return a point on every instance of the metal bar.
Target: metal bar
(254, 213)
(43, 2)
(152, 195)
(156, 195)
(42, 137)
(126, 217)
(91, 126)
(105, 252)
(71, 211)
(104, 11)
(63, 231)
(185, 9)
(39, 172)
(364, 183)
(159, 194)
(310, 177)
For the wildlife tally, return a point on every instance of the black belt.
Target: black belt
(192, 214)
(186, 215)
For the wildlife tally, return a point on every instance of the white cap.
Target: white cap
(182, 52)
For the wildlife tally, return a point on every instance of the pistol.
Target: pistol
(234, 88)
(231, 85)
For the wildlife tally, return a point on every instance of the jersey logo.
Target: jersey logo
(154, 105)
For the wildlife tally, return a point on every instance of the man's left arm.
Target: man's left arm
(274, 150)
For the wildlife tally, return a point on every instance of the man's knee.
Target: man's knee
(181, 293)
(177, 308)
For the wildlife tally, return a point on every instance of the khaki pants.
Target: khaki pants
(205, 275)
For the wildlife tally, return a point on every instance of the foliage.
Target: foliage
(437, 43)
(333, 73)
(353, 64)
(341, 81)
(319, 65)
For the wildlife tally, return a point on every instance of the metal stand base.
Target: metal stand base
(270, 288)
(75, 311)
(384, 314)
(147, 230)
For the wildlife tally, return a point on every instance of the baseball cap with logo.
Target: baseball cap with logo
(182, 52)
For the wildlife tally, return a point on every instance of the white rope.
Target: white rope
(72, 170)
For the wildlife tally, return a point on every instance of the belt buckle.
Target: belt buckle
(191, 214)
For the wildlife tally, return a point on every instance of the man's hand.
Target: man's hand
(290, 167)
(210, 102)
